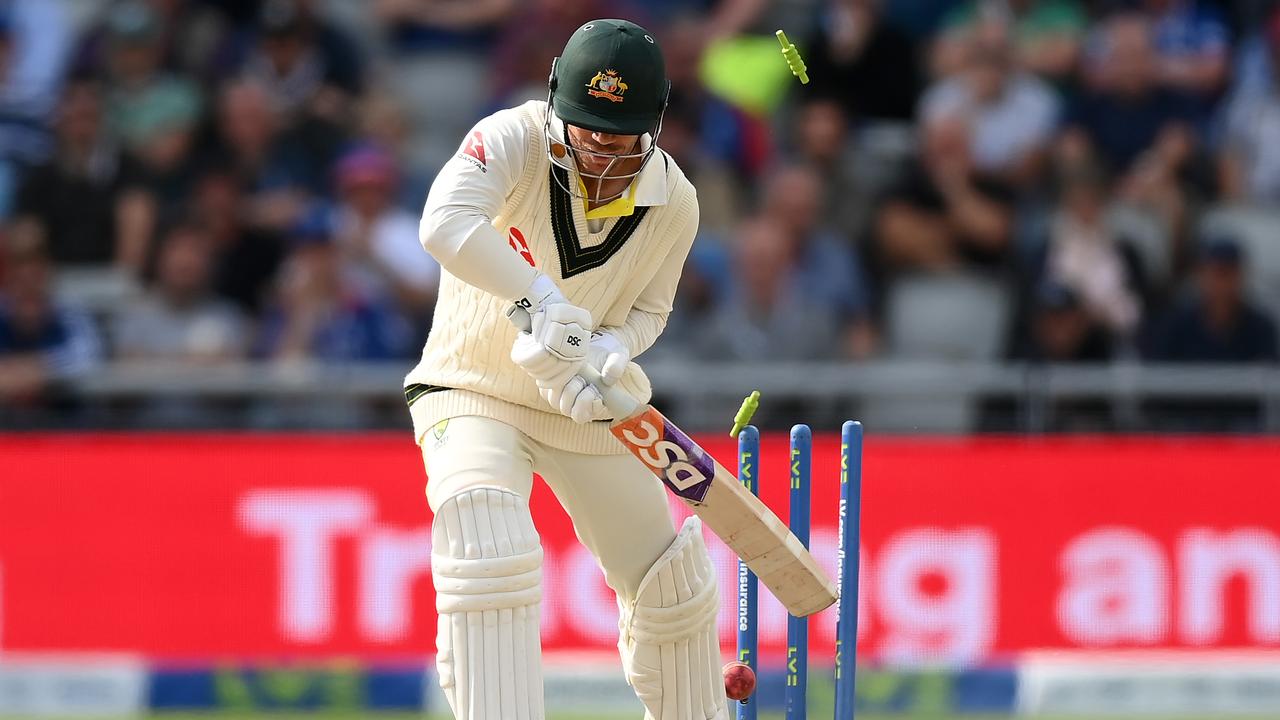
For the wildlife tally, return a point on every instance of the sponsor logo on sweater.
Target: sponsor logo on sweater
(473, 151)
(516, 240)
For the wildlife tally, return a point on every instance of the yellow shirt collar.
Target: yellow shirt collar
(618, 207)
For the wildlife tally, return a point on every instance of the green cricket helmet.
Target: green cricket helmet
(610, 78)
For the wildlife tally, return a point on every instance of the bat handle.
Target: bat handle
(618, 401)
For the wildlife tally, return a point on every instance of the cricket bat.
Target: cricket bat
(744, 523)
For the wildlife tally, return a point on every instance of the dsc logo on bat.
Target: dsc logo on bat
(669, 453)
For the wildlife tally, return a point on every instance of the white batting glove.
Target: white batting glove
(608, 356)
(557, 345)
(574, 397)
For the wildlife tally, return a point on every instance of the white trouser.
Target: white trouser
(618, 508)
(480, 474)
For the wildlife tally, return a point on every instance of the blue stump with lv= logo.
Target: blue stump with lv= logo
(798, 628)
(748, 588)
(797, 662)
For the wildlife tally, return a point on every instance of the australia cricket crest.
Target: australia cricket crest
(607, 84)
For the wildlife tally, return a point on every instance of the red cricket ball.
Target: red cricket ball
(739, 681)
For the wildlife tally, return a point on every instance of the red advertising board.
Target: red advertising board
(266, 547)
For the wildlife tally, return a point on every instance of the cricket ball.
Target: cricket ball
(739, 681)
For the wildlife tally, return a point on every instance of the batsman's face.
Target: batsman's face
(594, 151)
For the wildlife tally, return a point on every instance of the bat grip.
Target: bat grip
(618, 401)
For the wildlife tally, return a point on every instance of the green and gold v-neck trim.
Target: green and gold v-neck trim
(574, 258)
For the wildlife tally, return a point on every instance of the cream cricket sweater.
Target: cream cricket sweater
(625, 274)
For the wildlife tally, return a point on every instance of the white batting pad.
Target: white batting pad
(486, 562)
(668, 634)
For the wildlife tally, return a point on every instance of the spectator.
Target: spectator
(311, 92)
(1249, 155)
(1254, 65)
(196, 39)
(727, 134)
(427, 24)
(704, 282)
(41, 344)
(382, 123)
(1010, 113)
(1216, 323)
(143, 99)
(179, 319)
(308, 68)
(1126, 110)
(1085, 256)
(1047, 35)
(150, 111)
(823, 263)
(245, 258)
(440, 49)
(718, 19)
(277, 174)
(318, 315)
(1143, 133)
(81, 204)
(849, 180)
(378, 241)
(35, 38)
(1063, 329)
(530, 41)
(863, 63)
(720, 192)
(770, 311)
(945, 214)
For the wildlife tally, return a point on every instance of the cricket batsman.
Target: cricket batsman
(567, 209)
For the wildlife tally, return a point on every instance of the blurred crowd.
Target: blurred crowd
(209, 181)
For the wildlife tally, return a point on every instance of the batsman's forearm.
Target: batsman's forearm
(470, 249)
(639, 331)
